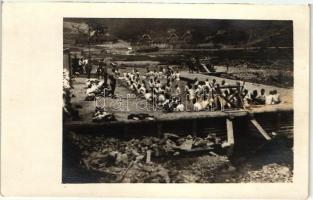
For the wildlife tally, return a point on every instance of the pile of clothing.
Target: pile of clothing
(69, 113)
(140, 116)
(96, 88)
(101, 115)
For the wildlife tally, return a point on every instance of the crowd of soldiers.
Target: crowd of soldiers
(169, 94)
(149, 85)
(219, 96)
(200, 95)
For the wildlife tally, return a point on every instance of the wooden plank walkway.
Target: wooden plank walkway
(168, 117)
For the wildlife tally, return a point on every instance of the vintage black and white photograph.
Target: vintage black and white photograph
(177, 100)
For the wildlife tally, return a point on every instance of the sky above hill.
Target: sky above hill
(132, 28)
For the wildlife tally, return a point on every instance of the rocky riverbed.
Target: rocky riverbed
(173, 159)
(272, 163)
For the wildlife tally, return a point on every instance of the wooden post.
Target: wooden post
(278, 121)
(159, 129)
(230, 132)
(260, 129)
(230, 136)
(240, 98)
(148, 158)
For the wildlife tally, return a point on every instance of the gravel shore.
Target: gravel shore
(109, 160)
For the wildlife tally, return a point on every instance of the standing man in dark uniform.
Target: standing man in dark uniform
(104, 72)
(88, 68)
(99, 70)
(190, 65)
(197, 64)
(75, 64)
(112, 84)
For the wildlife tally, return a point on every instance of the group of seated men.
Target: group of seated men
(219, 96)
(153, 90)
(201, 95)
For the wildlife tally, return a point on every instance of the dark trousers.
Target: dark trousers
(88, 73)
(105, 78)
(113, 89)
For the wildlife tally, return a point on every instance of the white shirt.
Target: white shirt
(177, 75)
(148, 96)
(168, 89)
(161, 98)
(191, 93)
(276, 98)
(186, 88)
(158, 85)
(166, 102)
(142, 90)
(85, 61)
(180, 107)
(177, 91)
(269, 99)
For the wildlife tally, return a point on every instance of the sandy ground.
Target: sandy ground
(122, 106)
